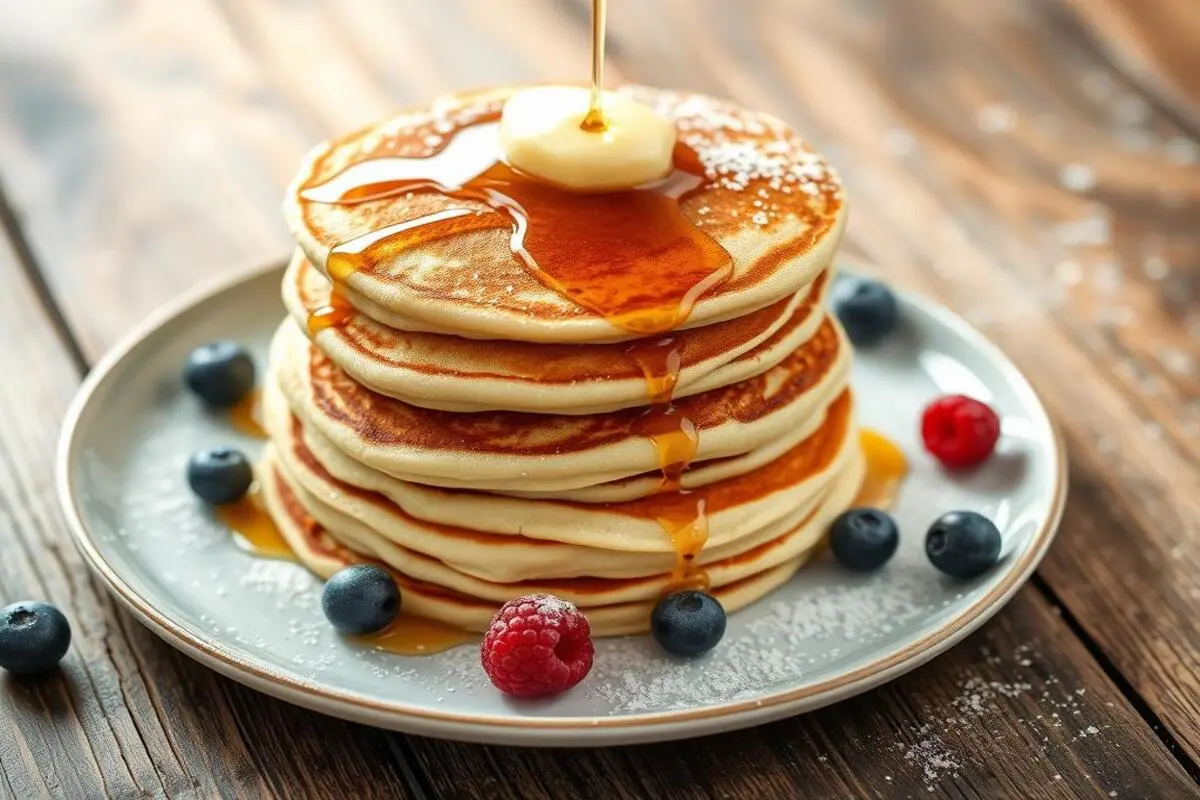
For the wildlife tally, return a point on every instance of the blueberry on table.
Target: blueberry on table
(963, 544)
(361, 599)
(33, 637)
(688, 623)
(867, 309)
(220, 373)
(863, 539)
(220, 475)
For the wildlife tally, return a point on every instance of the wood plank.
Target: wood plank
(91, 724)
(128, 715)
(248, 102)
(958, 127)
(1153, 43)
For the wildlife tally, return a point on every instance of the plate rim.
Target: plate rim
(651, 726)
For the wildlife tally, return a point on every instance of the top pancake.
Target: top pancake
(764, 197)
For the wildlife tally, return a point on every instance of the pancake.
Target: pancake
(751, 190)
(323, 554)
(451, 373)
(505, 539)
(584, 590)
(517, 451)
(617, 491)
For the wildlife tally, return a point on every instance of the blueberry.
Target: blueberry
(220, 475)
(688, 623)
(33, 637)
(963, 544)
(361, 599)
(220, 372)
(867, 310)
(864, 539)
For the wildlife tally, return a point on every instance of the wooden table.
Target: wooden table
(1033, 164)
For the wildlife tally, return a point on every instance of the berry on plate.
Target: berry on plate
(959, 431)
(863, 539)
(688, 623)
(867, 309)
(220, 373)
(33, 637)
(220, 475)
(537, 645)
(361, 599)
(963, 544)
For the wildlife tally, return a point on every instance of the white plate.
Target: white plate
(825, 636)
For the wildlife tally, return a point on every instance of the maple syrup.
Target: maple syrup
(660, 361)
(675, 440)
(686, 523)
(252, 527)
(594, 122)
(886, 468)
(336, 313)
(630, 256)
(246, 415)
(410, 635)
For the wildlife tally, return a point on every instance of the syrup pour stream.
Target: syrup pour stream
(594, 121)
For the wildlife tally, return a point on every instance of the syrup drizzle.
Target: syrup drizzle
(252, 527)
(410, 635)
(334, 314)
(246, 415)
(675, 440)
(630, 256)
(594, 121)
(886, 468)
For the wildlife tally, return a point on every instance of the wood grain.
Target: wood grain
(957, 143)
(144, 147)
(127, 715)
(1009, 713)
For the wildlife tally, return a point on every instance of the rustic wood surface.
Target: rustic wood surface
(1035, 164)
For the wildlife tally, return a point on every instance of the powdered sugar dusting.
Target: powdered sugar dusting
(931, 757)
(831, 621)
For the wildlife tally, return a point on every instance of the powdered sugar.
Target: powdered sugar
(931, 757)
(796, 633)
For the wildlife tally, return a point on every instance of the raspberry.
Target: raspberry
(959, 431)
(537, 645)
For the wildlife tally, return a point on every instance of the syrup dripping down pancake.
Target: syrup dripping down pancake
(454, 374)
(702, 473)
(317, 549)
(515, 451)
(771, 206)
(781, 544)
(504, 539)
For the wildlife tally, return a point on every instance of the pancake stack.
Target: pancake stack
(494, 386)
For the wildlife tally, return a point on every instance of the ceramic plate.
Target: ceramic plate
(824, 636)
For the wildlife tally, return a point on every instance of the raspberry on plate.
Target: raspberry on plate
(959, 431)
(537, 645)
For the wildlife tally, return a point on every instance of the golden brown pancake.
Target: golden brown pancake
(451, 373)
(762, 195)
(322, 551)
(516, 451)
(509, 539)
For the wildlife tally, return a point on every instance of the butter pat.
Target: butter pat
(541, 134)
